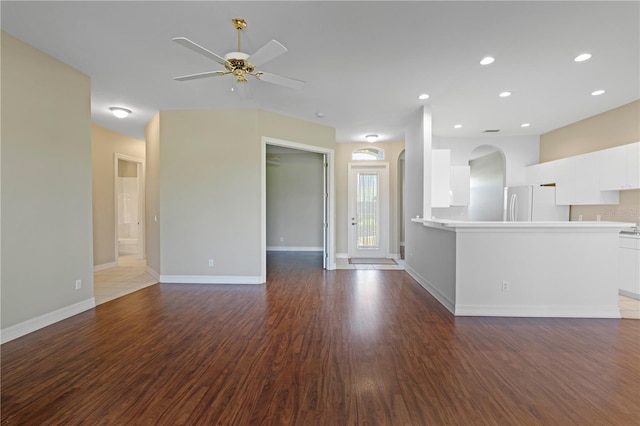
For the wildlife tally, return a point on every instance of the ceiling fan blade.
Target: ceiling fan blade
(199, 75)
(280, 80)
(269, 51)
(182, 41)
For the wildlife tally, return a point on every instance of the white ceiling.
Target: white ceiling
(365, 63)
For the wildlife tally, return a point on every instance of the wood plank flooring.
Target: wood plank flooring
(314, 347)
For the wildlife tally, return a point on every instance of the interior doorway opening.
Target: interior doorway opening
(297, 200)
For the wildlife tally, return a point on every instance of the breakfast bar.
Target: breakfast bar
(520, 269)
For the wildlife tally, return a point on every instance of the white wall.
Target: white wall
(46, 190)
(152, 195)
(487, 187)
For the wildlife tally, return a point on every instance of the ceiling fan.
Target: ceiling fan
(240, 64)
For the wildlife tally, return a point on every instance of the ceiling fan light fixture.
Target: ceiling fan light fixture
(371, 138)
(120, 112)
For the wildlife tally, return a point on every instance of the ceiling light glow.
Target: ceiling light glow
(487, 60)
(423, 97)
(120, 112)
(457, 126)
(525, 125)
(597, 92)
(371, 138)
(504, 94)
(582, 57)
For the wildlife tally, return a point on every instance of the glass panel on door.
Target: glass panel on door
(367, 211)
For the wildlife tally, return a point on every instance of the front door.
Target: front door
(368, 209)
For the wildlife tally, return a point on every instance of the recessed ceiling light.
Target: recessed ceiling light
(525, 125)
(487, 60)
(319, 114)
(597, 92)
(457, 126)
(582, 57)
(120, 112)
(371, 138)
(504, 94)
(423, 97)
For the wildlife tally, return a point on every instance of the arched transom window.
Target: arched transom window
(368, 154)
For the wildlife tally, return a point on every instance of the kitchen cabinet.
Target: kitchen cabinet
(440, 177)
(460, 185)
(629, 265)
(542, 174)
(620, 168)
(578, 181)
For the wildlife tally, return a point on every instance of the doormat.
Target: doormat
(371, 261)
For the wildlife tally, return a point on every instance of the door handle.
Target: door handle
(354, 223)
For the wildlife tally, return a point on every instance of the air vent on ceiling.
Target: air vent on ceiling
(491, 131)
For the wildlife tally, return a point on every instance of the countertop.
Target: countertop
(564, 225)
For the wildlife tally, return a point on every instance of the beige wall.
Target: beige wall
(295, 200)
(616, 127)
(105, 144)
(46, 184)
(392, 151)
(152, 194)
(210, 186)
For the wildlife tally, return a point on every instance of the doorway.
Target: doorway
(324, 213)
(368, 210)
(129, 206)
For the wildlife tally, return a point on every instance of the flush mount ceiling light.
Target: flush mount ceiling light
(120, 112)
(582, 57)
(371, 138)
(504, 94)
(597, 92)
(487, 60)
(423, 97)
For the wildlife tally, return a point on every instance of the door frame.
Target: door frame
(140, 250)
(329, 249)
(384, 206)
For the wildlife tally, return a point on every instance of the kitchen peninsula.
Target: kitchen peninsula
(520, 269)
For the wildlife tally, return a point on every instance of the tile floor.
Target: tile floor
(130, 275)
(629, 308)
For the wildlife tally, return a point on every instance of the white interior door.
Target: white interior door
(368, 209)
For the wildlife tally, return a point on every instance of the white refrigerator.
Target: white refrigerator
(528, 203)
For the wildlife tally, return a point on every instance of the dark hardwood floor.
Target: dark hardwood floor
(314, 347)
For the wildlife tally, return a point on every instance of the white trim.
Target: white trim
(394, 256)
(153, 273)
(628, 293)
(33, 324)
(104, 266)
(210, 279)
(555, 311)
(444, 300)
(331, 199)
(292, 248)
(342, 255)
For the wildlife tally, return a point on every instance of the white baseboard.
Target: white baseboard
(566, 311)
(440, 297)
(210, 279)
(394, 256)
(31, 325)
(104, 266)
(342, 255)
(293, 248)
(630, 294)
(153, 273)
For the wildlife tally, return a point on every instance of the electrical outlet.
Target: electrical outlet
(505, 286)
(78, 284)
(210, 263)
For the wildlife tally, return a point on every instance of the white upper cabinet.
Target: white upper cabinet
(440, 177)
(620, 167)
(578, 181)
(460, 185)
(542, 174)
